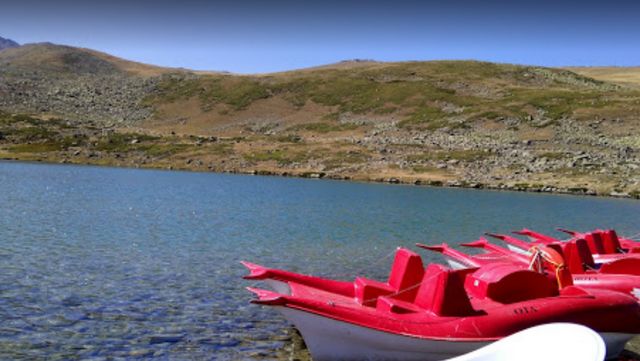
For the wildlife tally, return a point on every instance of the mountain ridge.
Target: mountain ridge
(54, 57)
(600, 71)
(7, 43)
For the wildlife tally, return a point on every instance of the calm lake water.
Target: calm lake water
(104, 263)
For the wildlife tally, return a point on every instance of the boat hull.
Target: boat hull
(328, 339)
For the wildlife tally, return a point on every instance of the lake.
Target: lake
(143, 264)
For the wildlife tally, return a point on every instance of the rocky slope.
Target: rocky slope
(75, 83)
(7, 43)
(458, 123)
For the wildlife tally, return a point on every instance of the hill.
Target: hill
(66, 60)
(419, 95)
(77, 83)
(7, 43)
(458, 123)
(615, 74)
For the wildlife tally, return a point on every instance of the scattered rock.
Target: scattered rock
(620, 194)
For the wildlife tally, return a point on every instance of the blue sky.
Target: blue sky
(264, 36)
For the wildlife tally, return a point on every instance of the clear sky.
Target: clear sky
(261, 36)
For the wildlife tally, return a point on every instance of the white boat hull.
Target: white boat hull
(330, 340)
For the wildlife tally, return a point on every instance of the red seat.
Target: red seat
(367, 291)
(404, 279)
(578, 256)
(595, 242)
(610, 241)
(393, 305)
(441, 292)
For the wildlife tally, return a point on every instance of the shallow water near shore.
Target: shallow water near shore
(139, 264)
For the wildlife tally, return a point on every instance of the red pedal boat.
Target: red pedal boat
(435, 313)
(621, 276)
(584, 249)
(605, 245)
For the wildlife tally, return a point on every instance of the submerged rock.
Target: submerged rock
(165, 339)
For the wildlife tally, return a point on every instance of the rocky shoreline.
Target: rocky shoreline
(467, 158)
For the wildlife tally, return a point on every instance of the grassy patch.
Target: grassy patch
(220, 149)
(320, 127)
(424, 118)
(491, 115)
(288, 138)
(297, 91)
(32, 133)
(35, 148)
(424, 169)
(161, 150)
(333, 116)
(123, 142)
(235, 91)
(342, 159)
(281, 156)
(9, 119)
(557, 103)
(373, 92)
(174, 87)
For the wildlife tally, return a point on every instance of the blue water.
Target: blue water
(104, 263)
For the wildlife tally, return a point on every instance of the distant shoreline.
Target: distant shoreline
(320, 176)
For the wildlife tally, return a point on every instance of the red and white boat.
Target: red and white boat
(437, 312)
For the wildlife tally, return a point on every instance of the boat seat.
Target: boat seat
(392, 305)
(367, 290)
(594, 241)
(578, 256)
(507, 283)
(610, 241)
(442, 292)
(405, 276)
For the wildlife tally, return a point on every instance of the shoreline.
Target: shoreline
(335, 177)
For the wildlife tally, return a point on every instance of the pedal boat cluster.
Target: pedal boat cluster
(437, 312)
